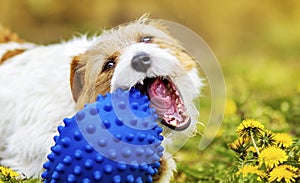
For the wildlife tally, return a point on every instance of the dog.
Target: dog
(42, 84)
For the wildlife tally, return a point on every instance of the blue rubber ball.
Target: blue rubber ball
(115, 139)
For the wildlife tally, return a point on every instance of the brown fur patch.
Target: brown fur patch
(11, 53)
(103, 83)
(7, 36)
(185, 59)
(162, 169)
(76, 77)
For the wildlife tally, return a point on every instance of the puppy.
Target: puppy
(41, 85)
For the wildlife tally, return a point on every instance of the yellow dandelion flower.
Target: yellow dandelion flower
(286, 172)
(272, 156)
(7, 172)
(237, 144)
(299, 159)
(251, 149)
(1, 181)
(249, 169)
(249, 125)
(290, 167)
(283, 139)
(230, 107)
(266, 138)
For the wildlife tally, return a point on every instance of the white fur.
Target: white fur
(163, 64)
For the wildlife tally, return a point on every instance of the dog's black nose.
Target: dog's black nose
(141, 62)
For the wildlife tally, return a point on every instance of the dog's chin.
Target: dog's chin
(167, 100)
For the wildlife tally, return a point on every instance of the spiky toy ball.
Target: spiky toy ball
(115, 139)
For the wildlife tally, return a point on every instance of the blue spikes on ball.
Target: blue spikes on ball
(115, 139)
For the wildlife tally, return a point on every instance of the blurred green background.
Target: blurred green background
(256, 42)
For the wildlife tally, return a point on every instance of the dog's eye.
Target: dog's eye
(109, 64)
(146, 39)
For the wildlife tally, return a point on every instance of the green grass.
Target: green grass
(267, 91)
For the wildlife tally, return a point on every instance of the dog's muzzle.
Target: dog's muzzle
(141, 62)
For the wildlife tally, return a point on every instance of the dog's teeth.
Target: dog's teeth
(177, 101)
(142, 82)
(173, 122)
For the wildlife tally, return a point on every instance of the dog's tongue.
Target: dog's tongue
(167, 102)
(159, 96)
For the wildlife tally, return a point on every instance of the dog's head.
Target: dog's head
(145, 56)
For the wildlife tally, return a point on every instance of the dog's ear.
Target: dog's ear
(76, 77)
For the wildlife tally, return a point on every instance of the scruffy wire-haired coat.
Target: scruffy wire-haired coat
(41, 85)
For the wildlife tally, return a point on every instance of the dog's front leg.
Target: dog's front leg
(167, 169)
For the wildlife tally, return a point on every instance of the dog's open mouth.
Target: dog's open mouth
(166, 99)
